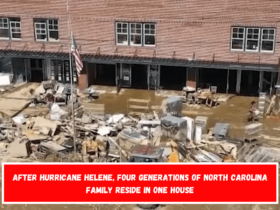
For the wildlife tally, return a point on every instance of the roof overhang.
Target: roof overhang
(112, 59)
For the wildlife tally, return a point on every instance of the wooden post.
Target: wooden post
(238, 81)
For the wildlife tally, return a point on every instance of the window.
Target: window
(253, 36)
(10, 28)
(15, 30)
(122, 33)
(41, 31)
(268, 36)
(253, 39)
(57, 70)
(46, 30)
(136, 34)
(4, 28)
(237, 42)
(53, 30)
(60, 71)
(150, 34)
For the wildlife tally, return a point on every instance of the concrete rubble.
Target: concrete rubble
(158, 136)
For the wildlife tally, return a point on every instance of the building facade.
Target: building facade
(145, 44)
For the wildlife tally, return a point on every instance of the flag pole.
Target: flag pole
(71, 76)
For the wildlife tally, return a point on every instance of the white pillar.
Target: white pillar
(238, 81)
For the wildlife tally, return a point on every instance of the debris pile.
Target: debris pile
(204, 95)
(149, 137)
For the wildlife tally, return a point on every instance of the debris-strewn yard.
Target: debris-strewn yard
(44, 122)
(37, 122)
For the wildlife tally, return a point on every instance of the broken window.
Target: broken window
(237, 38)
(10, 28)
(149, 34)
(136, 34)
(122, 33)
(252, 42)
(268, 36)
(46, 30)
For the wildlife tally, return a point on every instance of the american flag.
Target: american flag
(76, 54)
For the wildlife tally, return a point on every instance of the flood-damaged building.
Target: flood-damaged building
(145, 44)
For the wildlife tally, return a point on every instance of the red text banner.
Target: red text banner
(139, 183)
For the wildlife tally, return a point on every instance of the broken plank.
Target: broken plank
(271, 105)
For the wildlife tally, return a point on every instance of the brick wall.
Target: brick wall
(183, 27)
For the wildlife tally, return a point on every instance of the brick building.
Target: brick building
(169, 43)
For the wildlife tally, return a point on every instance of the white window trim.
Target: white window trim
(117, 33)
(144, 34)
(48, 33)
(42, 40)
(244, 39)
(11, 33)
(259, 44)
(267, 51)
(6, 38)
(141, 34)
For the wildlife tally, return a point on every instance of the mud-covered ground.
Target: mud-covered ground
(233, 111)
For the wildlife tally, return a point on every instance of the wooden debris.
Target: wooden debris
(271, 105)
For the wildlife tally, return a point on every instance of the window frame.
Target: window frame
(273, 41)
(121, 33)
(129, 34)
(232, 38)
(36, 33)
(47, 24)
(11, 32)
(48, 29)
(135, 34)
(9, 28)
(260, 39)
(144, 35)
(252, 39)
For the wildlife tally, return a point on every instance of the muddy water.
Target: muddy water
(117, 103)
